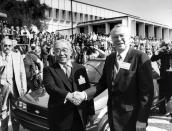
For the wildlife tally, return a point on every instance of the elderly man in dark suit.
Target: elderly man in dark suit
(127, 74)
(61, 80)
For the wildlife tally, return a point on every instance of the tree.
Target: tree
(24, 12)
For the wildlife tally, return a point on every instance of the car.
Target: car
(32, 109)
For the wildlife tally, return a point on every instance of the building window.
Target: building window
(96, 17)
(50, 12)
(70, 16)
(86, 17)
(57, 13)
(63, 14)
(75, 17)
(81, 17)
(91, 17)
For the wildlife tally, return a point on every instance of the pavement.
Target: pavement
(155, 123)
(159, 123)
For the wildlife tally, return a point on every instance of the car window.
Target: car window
(94, 70)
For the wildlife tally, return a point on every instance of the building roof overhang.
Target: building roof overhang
(116, 19)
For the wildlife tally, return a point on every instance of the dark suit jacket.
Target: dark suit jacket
(130, 93)
(165, 61)
(58, 85)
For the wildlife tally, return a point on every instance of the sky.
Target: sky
(159, 11)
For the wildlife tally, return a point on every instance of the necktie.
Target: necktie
(119, 58)
(68, 70)
(6, 57)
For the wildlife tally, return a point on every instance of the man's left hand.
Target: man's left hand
(140, 126)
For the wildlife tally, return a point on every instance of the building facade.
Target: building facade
(59, 16)
(68, 16)
(137, 26)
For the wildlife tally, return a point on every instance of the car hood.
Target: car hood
(38, 97)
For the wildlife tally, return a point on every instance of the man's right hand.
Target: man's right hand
(70, 97)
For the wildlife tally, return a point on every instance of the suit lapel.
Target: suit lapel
(74, 67)
(121, 71)
(62, 76)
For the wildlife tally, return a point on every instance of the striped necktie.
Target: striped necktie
(67, 70)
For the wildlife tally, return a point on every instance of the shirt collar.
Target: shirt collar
(69, 63)
(124, 53)
(3, 54)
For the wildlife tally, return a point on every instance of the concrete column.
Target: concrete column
(93, 17)
(151, 31)
(107, 28)
(89, 17)
(159, 32)
(90, 28)
(133, 28)
(78, 17)
(53, 13)
(67, 16)
(77, 30)
(170, 34)
(60, 14)
(83, 18)
(166, 35)
(74, 17)
(125, 22)
(142, 30)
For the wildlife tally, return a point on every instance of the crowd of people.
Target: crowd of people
(38, 53)
(85, 45)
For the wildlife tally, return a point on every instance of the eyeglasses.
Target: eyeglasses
(58, 51)
(7, 45)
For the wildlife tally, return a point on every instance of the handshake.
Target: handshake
(76, 97)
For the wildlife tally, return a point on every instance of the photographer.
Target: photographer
(164, 55)
(25, 35)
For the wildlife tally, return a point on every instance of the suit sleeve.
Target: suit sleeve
(145, 91)
(50, 85)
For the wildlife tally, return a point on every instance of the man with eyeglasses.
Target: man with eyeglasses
(12, 82)
(61, 80)
(127, 74)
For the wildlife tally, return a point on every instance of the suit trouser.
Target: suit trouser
(77, 124)
(6, 104)
(15, 124)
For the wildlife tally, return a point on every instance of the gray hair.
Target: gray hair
(6, 40)
(116, 27)
(64, 42)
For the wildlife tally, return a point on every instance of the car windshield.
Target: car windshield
(94, 70)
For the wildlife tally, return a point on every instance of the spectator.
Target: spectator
(12, 83)
(34, 68)
(164, 56)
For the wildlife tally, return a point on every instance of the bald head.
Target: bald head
(6, 45)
